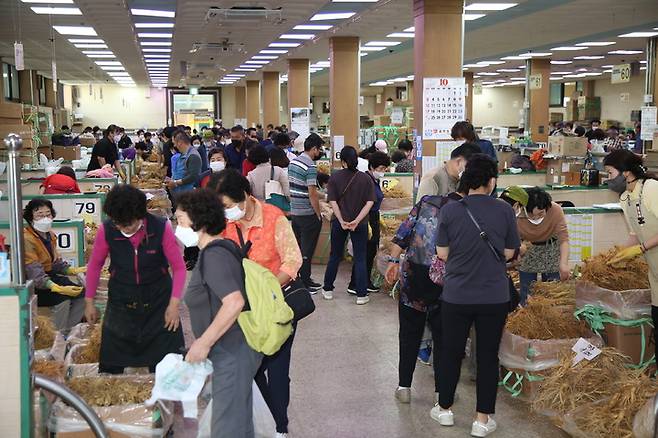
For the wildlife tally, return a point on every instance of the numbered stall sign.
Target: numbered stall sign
(96, 184)
(620, 74)
(66, 206)
(388, 183)
(70, 239)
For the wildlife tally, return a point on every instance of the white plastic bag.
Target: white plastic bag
(177, 380)
(264, 425)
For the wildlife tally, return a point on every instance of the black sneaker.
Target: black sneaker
(351, 290)
(372, 288)
(312, 286)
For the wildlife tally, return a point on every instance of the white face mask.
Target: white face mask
(129, 235)
(217, 166)
(536, 221)
(196, 145)
(378, 175)
(44, 225)
(187, 236)
(459, 175)
(234, 213)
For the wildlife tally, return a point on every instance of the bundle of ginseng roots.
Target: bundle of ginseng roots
(111, 391)
(395, 192)
(563, 293)
(44, 336)
(52, 369)
(90, 352)
(625, 275)
(544, 319)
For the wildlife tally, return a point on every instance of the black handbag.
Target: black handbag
(514, 298)
(421, 286)
(298, 299)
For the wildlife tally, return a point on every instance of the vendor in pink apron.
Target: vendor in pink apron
(639, 200)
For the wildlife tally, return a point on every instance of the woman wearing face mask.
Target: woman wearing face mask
(638, 192)
(378, 164)
(217, 163)
(273, 246)
(542, 223)
(47, 270)
(141, 323)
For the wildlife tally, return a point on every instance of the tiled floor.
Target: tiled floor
(344, 373)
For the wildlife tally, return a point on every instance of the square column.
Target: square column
(539, 100)
(299, 80)
(468, 75)
(271, 98)
(344, 88)
(240, 104)
(253, 103)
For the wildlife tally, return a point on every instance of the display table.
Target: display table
(581, 196)
(594, 230)
(15, 347)
(526, 178)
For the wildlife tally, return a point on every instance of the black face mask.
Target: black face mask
(236, 143)
(319, 156)
(617, 184)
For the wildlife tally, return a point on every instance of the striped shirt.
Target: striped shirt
(302, 174)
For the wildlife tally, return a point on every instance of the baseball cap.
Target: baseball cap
(517, 193)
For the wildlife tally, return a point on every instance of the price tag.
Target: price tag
(584, 350)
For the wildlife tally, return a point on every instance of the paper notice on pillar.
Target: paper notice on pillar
(241, 122)
(503, 138)
(19, 56)
(648, 122)
(444, 149)
(55, 76)
(300, 120)
(444, 104)
(337, 145)
(397, 116)
(581, 236)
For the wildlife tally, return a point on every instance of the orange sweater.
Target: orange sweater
(553, 225)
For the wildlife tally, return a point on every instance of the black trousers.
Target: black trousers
(275, 385)
(456, 321)
(373, 246)
(307, 231)
(412, 326)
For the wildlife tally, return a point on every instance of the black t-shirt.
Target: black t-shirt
(351, 190)
(166, 154)
(106, 149)
(125, 142)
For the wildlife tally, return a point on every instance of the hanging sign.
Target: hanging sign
(19, 56)
(621, 73)
(444, 105)
(55, 76)
(648, 122)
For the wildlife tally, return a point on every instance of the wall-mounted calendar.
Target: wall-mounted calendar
(444, 105)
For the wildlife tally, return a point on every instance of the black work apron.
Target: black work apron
(48, 298)
(134, 334)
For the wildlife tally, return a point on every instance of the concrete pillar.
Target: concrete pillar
(253, 103)
(588, 88)
(540, 100)
(651, 84)
(435, 21)
(344, 89)
(24, 83)
(240, 103)
(468, 75)
(271, 98)
(51, 94)
(299, 80)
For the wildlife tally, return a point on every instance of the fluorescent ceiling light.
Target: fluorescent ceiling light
(91, 46)
(235, 75)
(588, 58)
(401, 35)
(158, 70)
(155, 43)
(117, 74)
(75, 30)
(363, 54)
(489, 6)
(569, 48)
(509, 70)
(264, 57)
(633, 34)
(596, 43)
(112, 68)
(471, 17)
(487, 63)
(560, 72)
(314, 70)
(273, 52)
(54, 2)
(372, 49)
(383, 43)
(322, 64)
(297, 36)
(153, 13)
(156, 50)
(250, 66)
(157, 56)
(643, 62)
(245, 69)
(607, 66)
(100, 56)
(257, 62)
(97, 52)
(556, 78)
(354, 1)
(536, 54)
(284, 44)
(332, 16)
(154, 35)
(561, 62)
(158, 61)
(515, 58)
(86, 40)
(154, 25)
(489, 73)
(313, 27)
(472, 65)
(410, 29)
(625, 52)
(55, 11)
(108, 63)
(518, 79)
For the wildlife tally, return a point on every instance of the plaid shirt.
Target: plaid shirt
(611, 144)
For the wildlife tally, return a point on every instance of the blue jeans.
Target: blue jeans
(359, 239)
(528, 278)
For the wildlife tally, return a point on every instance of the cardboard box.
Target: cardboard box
(505, 160)
(628, 340)
(69, 153)
(88, 142)
(25, 131)
(10, 110)
(561, 146)
(564, 171)
(322, 249)
(589, 108)
(46, 150)
(382, 120)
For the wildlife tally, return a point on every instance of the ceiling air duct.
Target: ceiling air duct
(244, 14)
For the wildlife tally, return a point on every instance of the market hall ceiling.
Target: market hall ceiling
(211, 39)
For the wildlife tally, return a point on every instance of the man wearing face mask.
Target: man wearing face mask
(305, 205)
(542, 223)
(188, 165)
(105, 151)
(443, 179)
(47, 270)
(236, 151)
(141, 323)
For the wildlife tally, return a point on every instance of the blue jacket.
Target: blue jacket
(487, 148)
(235, 158)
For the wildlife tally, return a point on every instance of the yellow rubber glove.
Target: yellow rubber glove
(69, 291)
(75, 271)
(626, 254)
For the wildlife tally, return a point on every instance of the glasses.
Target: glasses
(42, 214)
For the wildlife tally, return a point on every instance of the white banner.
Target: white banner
(300, 120)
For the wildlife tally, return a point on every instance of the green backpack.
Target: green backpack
(266, 319)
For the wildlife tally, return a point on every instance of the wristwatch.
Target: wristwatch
(393, 260)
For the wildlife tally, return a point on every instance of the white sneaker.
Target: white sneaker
(327, 294)
(362, 300)
(444, 417)
(403, 395)
(281, 435)
(482, 430)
